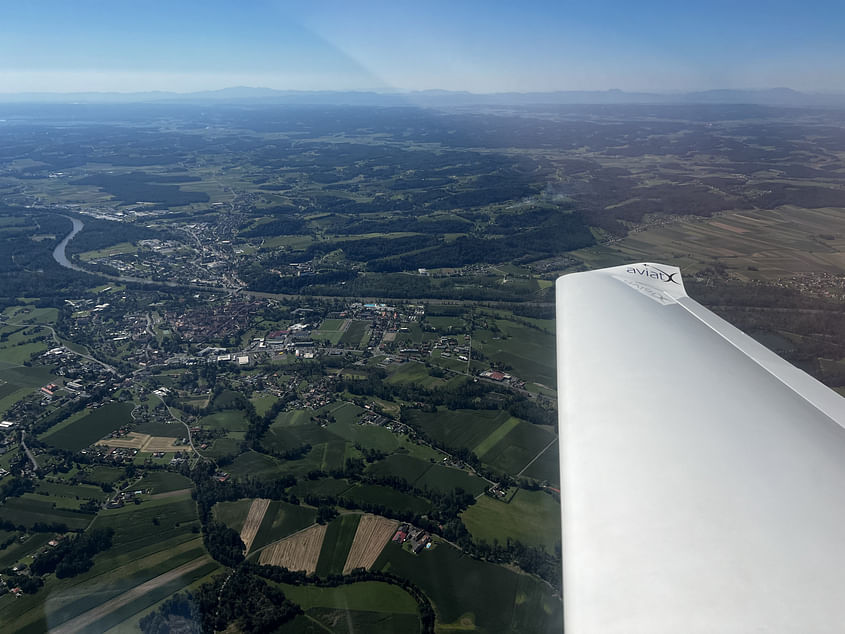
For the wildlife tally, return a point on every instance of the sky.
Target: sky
(398, 46)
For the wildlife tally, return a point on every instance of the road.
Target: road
(187, 428)
(29, 454)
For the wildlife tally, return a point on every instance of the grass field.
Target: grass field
(170, 430)
(367, 596)
(467, 592)
(425, 475)
(368, 436)
(255, 464)
(546, 467)
(164, 481)
(280, 520)
(339, 536)
(414, 373)
(518, 447)
(27, 511)
(528, 351)
(232, 420)
(263, 402)
(322, 486)
(531, 517)
(91, 427)
(355, 333)
(385, 496)
(462, 428)
(232, 514)
(141, 551)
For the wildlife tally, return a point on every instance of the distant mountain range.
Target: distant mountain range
(439, 98)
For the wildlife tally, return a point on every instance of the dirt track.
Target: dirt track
(86, 619)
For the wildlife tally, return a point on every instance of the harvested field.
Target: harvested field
(253, 521)
(297, 552)
(132, 440)
(161, 443)
(372, 534)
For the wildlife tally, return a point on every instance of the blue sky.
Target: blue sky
(530, 45)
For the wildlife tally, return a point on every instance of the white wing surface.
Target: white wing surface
(703, 477)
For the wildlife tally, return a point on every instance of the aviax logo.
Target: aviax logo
(653, 273)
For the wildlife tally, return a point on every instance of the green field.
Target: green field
(254, 464)
(388, 497)
(414, 373)
(90, 428)
(546, 468)
(462, 428)
(531, 517)
(263, 402)
(164, 481)
(423, 474)
(232, 514)
(468, 592)
(101, 474)
(366, 596)
(354, 334)
(322, 620)
(322, 486)
(446, 479)
(280, 520)
(29, 511)
(232, 420)
(518, 447)
(368, 436)
(528, 351)
(167, 430)
(339, 535)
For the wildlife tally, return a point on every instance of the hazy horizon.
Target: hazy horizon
(539, 46)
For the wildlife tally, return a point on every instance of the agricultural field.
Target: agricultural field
(462, 428)
(368, 436)
(152, 541)
(423, 474)
(519, 447)
(298, 552)
(231, 420)
(280, 520)
(370, 538)
(528, 352)
(340, 535)
(366, 596)
(468, 593)
(546, 468)
(31, 510)
(233, 513)
(90, 428)
(491, 519)
(387, 497)
(355, 334)
(253, 520)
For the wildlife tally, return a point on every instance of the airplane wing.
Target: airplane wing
(703, 477)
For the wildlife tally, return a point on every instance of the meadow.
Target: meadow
(491, 519)
(339, 536)
(90, 428)
(467, 592)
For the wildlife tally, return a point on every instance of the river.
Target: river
(59, 252)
